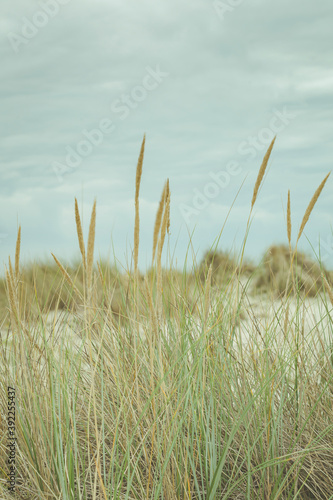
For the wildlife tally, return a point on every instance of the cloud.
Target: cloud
(225, 79)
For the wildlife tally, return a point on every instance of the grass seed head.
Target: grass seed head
(91, 243)
(80, 234)
(158, 219)
(137, 217)
(311, 206)
(261, 172)
(17, 253)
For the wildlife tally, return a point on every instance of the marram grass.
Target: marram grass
(213, 400)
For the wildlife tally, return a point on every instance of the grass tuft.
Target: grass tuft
(186, 385)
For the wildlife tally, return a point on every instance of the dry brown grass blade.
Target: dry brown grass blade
(158, 218)
(262, 172)
(17, 253)
(151, 338)
(80, 234)
(289, 220)
(137, 217)
(328, 289)
(207, 292)
(100, 274)
(100, 477)
(152, 312)
(11, 298)
(11, 272)
(66, 276)
(164, 225)
(311, 206)
(159, 253)
(91, 244)
(286, 321)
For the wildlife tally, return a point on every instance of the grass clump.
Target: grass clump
(225, 266)
(183, 399)
(272, 275)
(44, 286)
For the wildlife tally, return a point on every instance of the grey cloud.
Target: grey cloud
(226, 78)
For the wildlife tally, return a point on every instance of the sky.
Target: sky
(210, 83)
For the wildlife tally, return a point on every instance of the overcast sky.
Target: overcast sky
(210, 83)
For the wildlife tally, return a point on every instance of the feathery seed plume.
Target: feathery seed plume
(80, 234)
(137, 218)
(311, 205)
(91, 243)
(17, 253)
(262, 172)
(158, 218)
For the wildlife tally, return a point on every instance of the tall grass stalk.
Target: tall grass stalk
(186, 392)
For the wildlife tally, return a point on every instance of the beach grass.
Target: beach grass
(169, 384)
